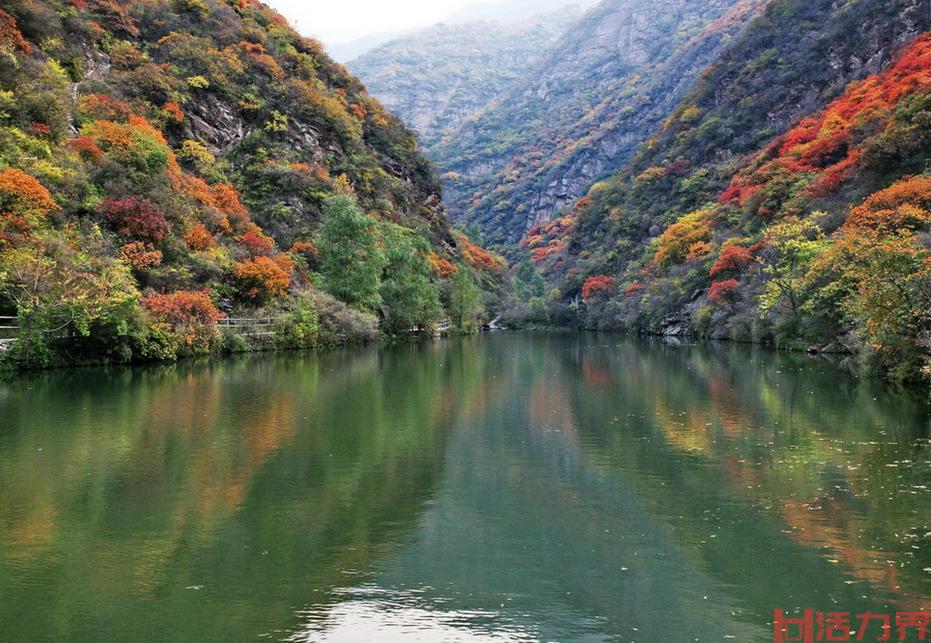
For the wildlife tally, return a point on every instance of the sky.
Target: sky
(338, 21)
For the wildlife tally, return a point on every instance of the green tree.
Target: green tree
(465, 302)
(410, 297)
(351, 261)
(790, 247)
(528, 282)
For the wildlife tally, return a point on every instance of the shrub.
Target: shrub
(596, 285)
(137, 218)
(722, 292)
(184, 323)
(199, 239)
(22, 195)
(262, 278)
(340, 324)
(732, 259)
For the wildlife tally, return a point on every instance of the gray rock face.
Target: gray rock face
(214, 123)
(579, 114)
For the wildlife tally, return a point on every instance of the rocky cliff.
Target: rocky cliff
(581, 112)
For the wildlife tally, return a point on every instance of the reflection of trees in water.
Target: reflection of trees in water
(260, 479)
(524, 531)
(809, 447)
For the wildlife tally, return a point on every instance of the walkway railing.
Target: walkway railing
(9, 328)
(250, 326)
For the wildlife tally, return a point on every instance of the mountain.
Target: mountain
(580, 112)
(350, 50)
(513, 11)
(786, 198)
(160, 160)
(438, 77)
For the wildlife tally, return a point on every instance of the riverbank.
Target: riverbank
(294, 495)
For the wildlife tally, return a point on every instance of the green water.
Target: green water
(504, 487)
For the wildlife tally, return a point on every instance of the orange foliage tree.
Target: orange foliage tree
(263, 278)
(675, 241)
(477, 257)
(22, 195)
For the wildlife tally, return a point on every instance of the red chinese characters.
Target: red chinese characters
(814, 626)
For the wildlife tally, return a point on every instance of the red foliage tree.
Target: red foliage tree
(723, 291)
(731, 259)
(596, 285)
(826, 145)
(86, 147)
(189, 314)
(137, 218)
(255, 241)
(10, 35)
(182, 307)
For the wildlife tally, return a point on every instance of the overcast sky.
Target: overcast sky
(335, 21)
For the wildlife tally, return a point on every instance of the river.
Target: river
(505, 487)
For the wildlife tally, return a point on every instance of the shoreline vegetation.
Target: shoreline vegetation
(165, 166)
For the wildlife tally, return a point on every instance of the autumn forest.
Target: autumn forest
(192, 177)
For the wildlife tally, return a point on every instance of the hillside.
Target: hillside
(437, 78)
(162, 162)
(581, 111)
(784, 200)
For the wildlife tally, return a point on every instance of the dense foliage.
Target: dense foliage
(158, 157)
(819, 238)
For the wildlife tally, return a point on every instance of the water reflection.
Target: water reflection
(570, 487)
